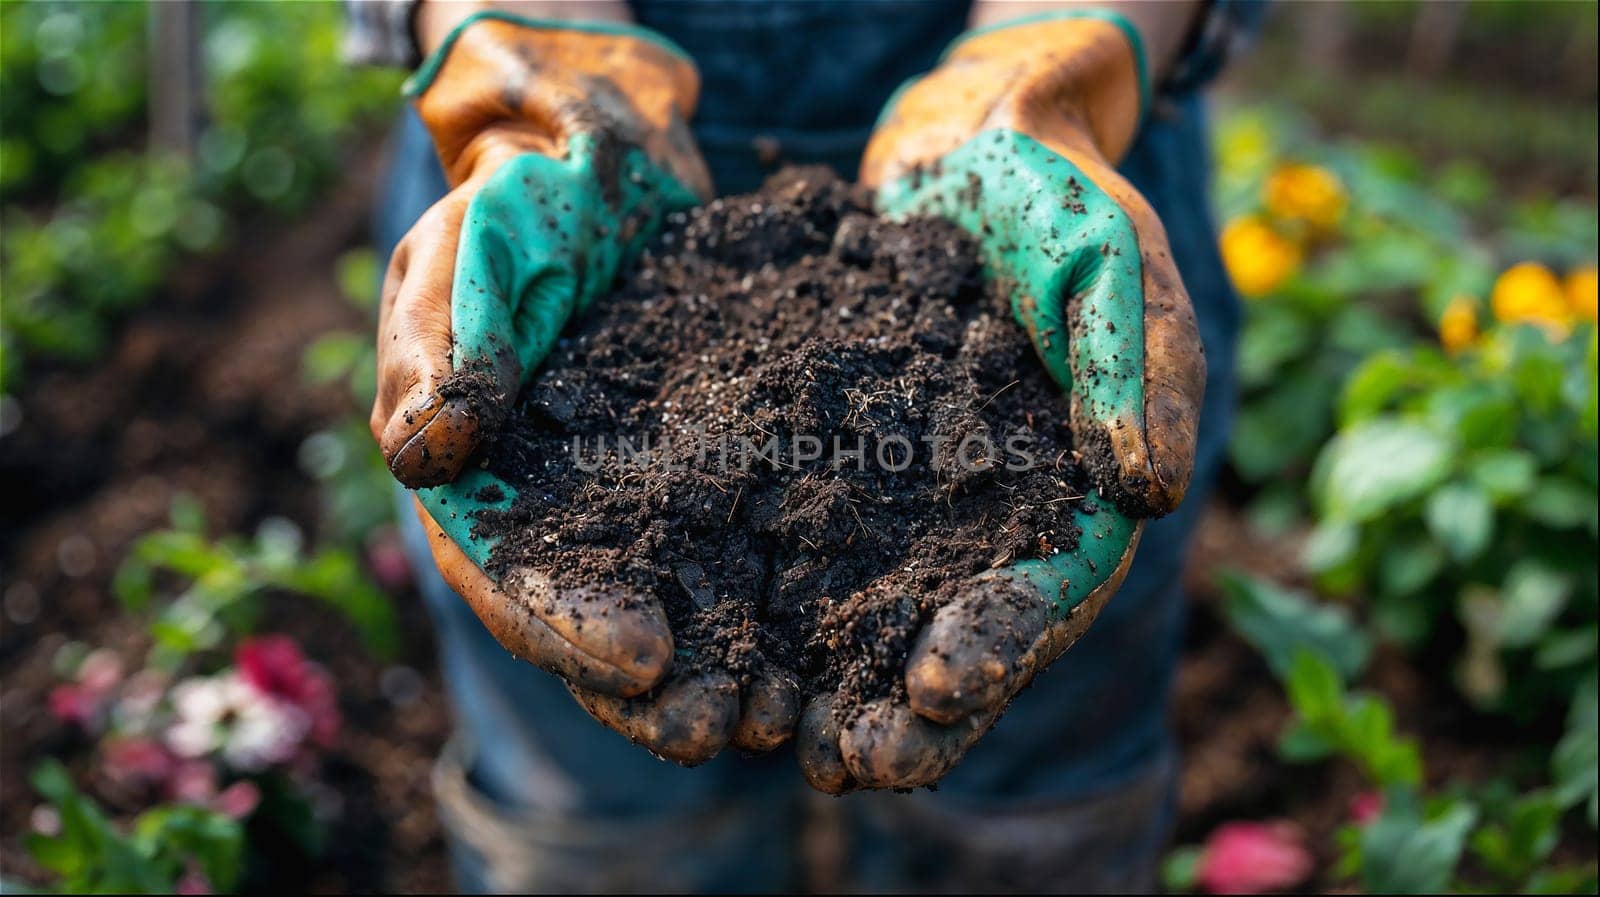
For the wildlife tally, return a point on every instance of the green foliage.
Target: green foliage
(1419, 843)
(229, 578)
(1280, 623)
(1463, 490)
(1575, 765)
(1369, 284)
(92, 222)
(1412, 850)
(1180, 869)
(1360, 727)
(91, 856)
(357, 488)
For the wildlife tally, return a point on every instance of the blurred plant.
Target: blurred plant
(174, 848)
(1241, 858)
(1467, 485)
(1346, 251)
(229, 577)
(92, 223)
(239, 746)
(357, 489)
(1401, 838)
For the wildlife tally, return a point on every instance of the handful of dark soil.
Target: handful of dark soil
(798, 425)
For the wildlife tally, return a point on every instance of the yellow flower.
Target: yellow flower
(1296, 192)
(1458, 326)
(1257, 257)
(1581, 288)
(1529, 293)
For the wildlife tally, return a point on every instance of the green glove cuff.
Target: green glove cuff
(1068, 578)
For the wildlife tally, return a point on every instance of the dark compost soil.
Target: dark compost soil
(802, 427)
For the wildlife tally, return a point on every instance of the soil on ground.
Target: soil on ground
(799, 426)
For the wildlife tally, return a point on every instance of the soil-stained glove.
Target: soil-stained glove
(1014, 137)
(565, 145)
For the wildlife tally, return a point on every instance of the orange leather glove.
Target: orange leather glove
(564, 145)
(1014, 137)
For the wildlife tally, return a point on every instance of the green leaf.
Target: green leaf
(1566, 880)
(1300, 744)
(1504, 474)
(1461, 518)
(1377, 465)
(1180, 868)
(1373, 385)
(1402, 853)
(1332, 544)
(1279, 622)
(1407, 621)
(1480, 416)
(1533, 596)
(1368, 733)
(1575, 764)
(1407, 565)
(359, 275)
(1561, 503)
(181, 832)
(1560, 649)
(1315, 689)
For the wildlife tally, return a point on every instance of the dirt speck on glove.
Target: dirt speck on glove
(800, 425)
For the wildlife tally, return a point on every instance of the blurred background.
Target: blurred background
(1390, 681)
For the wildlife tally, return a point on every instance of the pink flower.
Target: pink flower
(81, 701)
(100, 671)
(1365, 806)
(193, 782)
(274, 665)
(237, 800)
(136, 761)
(193, 882)
(387, 560)
(75, 705)
(1253, 858)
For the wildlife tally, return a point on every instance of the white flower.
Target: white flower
(224, 713)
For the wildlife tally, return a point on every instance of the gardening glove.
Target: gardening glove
(1013, 137)
(565, 146)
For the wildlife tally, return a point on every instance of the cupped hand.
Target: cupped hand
(976, 653)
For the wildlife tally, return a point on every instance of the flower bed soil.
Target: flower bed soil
(843, 425)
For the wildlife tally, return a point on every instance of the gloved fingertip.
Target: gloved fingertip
(428, 441)
(624, 638)
(971, 656)
(817, 749)
(768, 709)
(888, 745)
(688, 721)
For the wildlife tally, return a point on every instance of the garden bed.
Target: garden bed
(203, 395)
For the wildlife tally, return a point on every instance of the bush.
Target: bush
(92, 221)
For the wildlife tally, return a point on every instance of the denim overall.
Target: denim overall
(1073, 788)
